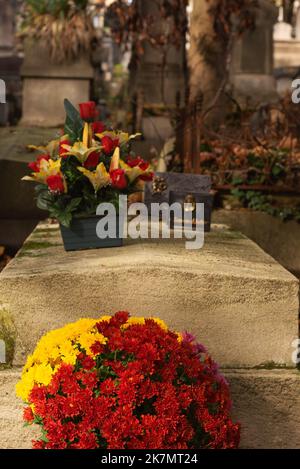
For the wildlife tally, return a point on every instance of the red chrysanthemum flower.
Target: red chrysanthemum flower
(28, 415)
(144, 389)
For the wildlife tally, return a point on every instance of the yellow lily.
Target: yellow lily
(80, 150)
(51, 149)
(133, 173)
(123, 137)
(47, 168)
(98, 178)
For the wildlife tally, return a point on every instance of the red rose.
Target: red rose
(35, 165)
(63, 150)
(92, 160)
(109, 144)
(88, 110)
(133, 162)
(118, 179)
(98, 127)
(147, 177)
(55, 183)
(142, 164)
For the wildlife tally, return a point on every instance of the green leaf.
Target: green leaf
(44, 200)
(74, 124)
(65, 218)
(205, 147)
(277, 170)
(38, 420)
(72, 206)
(236, 180)
(239, 194)
(44, 436)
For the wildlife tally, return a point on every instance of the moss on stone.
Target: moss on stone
(221, 236)
(46, 231)
(8, 337)
(31, 254)
(33, 245)
(35, 248)
(272, 366)
(43, 236)
(263, 366)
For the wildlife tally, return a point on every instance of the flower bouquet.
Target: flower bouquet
(87, 165)
(123, 382)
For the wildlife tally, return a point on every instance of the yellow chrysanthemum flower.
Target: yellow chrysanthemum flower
(57, 347)
(63, 346)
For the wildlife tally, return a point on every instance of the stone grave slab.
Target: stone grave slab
(235, 298)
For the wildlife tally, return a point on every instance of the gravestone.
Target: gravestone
(147, 71)
(146, 79)
(297, 25)
(46, 84)
(282, 31)
(286, 51)
(6, 27)
(9, 65)
(252, 65)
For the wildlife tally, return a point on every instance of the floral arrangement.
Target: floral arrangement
(87, 165)
(122, 382)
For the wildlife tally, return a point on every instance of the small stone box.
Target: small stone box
(183, 188)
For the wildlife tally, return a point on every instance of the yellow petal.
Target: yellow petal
(114, 164)
(86, 135)
(98, 178)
